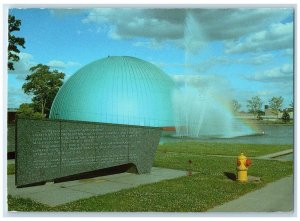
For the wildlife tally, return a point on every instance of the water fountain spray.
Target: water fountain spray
(202, 104)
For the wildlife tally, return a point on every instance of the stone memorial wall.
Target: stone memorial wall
(11, 138)
(50, 149)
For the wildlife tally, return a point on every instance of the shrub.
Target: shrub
(285, 116)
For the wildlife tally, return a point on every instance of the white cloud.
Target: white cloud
(168, 64)
(195, 80)
(264, 93)
(26, 62)
(61, 64)
(278, 36)
(56, 64)
(23, 65)
(16, 96)
(278, 74)
(198, 81)
(253, 59)
(182, 26)
(260, 59)
(234, 23)
(148, 44)
(203, 67)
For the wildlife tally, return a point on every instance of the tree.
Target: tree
(260, 114)
(285, 116)
(13, 41)
(26, 111)
(276, 104)
(254, 105)
(236, 106)
(43, 84)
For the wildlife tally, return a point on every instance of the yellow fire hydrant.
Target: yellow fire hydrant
(242, 166)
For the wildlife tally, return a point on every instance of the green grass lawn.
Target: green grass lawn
(10, 169)
(234, 149)
(206, 188)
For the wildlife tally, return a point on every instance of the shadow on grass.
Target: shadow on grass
(231, 176)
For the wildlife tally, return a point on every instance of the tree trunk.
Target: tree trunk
(43, 107)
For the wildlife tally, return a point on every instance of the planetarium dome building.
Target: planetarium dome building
(118, 90)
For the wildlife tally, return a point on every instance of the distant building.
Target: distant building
(270, 114)
(273, 115)
(244, 115)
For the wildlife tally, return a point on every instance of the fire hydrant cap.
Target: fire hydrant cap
(242, 157)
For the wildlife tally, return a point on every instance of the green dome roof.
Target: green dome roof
(120, 90)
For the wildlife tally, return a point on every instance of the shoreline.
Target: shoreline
(270, 123)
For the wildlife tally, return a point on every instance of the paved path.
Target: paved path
(54, 194)
(277, 196)
(276, 154)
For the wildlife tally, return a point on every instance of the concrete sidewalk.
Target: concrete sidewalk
(53, 194)
(274, 197)
(276, 154)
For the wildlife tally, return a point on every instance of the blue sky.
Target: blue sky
(251, 49)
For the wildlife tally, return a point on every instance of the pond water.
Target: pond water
(273, 134)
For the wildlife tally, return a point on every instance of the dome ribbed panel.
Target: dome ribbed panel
(120, 90)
